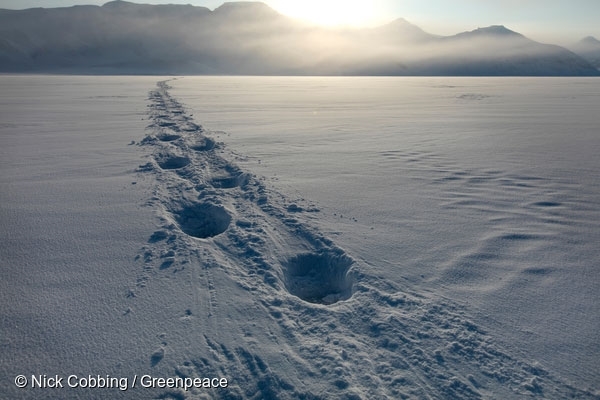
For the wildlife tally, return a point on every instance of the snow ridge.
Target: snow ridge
(281, 310)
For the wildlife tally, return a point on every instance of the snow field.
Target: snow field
(409, 262)
(425, 180)
(342, 331)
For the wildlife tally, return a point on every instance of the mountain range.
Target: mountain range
(588, 48)
(248, 38)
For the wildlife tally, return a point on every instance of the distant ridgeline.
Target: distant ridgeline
(252, 39)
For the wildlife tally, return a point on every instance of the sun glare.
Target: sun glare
(329, 12)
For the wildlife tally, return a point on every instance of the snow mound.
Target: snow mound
(319, 277)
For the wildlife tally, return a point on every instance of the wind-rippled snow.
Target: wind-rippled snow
(303, 237)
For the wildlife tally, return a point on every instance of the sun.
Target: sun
(329, 12)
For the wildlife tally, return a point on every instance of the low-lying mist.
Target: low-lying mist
(251, 38)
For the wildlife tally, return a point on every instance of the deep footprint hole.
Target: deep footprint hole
(168, 137)
(320, 278)
(204, 144)
(230, 181)
(172, 161)
(202, 220)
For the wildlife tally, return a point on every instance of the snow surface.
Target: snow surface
(302, 237)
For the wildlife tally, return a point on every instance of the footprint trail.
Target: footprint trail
(281, 310)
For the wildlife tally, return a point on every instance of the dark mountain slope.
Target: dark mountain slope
(251, 38)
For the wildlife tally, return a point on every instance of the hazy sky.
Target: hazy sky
(556, 21)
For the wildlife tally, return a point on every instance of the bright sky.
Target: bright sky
(556, 21)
